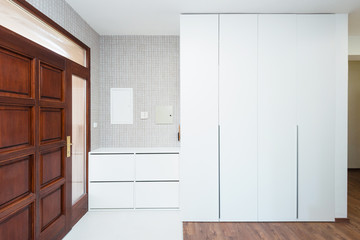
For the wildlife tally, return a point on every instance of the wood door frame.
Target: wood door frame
(30, 8)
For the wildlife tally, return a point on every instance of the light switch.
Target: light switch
(144, 115)
(164, 115)
(95, 124)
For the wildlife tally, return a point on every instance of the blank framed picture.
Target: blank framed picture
(121, 105)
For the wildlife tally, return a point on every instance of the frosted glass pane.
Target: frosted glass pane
(78, 138)
(18, 20)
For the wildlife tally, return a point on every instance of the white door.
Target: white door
(316, 104)
(238, 117)
(277, 118)
(199, 117)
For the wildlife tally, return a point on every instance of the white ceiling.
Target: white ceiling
(161, 17)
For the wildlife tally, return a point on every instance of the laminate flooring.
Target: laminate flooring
(285, 231)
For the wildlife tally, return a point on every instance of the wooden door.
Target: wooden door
(77, 127)
(32, 140)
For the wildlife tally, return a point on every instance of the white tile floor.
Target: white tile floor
(128, 225)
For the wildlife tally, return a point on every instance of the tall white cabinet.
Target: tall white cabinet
(238, 99)
(277, 117)
(258, 110)
(199, 117)
(316, 115)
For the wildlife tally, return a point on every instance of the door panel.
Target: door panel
(51, 165)
(51, 208)
(316, 56)
(9, 228)
(15, 74)
(78, 129)
(15, 127)
(78, 138)
(199, 118)
(50, 125)
(16, 179)
(277, 118)
(32, 130)
(238, 134)
(17, 169)
(51, 83)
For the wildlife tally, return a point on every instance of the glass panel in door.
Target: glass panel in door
(78, 138)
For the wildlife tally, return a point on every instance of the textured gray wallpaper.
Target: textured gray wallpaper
(149, 65)
(65, 16)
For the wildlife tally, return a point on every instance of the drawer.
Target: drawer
(157, 195)
(152, 167)
(119, 167)
(111, 195)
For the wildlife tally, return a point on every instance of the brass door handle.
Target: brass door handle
(68, 148)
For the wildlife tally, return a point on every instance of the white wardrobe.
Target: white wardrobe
(258, 116)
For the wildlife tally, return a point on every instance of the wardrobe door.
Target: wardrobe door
(277, 118)
(238, 117)
(316, 106)
(199, 117)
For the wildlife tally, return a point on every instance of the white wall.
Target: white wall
(354, 45)
(354, 114)
(150, 66)
(354, 48)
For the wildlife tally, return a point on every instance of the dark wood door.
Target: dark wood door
(33, 189)
(77, 205)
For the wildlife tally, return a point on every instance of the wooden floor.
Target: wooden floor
(285, 231)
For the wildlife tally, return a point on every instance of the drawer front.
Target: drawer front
(152, 167)
(157, 195)
(111, 195)
(112, 167)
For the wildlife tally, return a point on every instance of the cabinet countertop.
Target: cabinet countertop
(135, 150)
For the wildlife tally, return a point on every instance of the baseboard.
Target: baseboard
(342, 220)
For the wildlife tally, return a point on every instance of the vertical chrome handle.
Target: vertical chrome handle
(219, 171)
(297, 171)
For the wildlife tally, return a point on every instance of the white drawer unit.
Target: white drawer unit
(157, 167)
(157, 194)
(117, 167)
(134, 179)
(111, 195)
